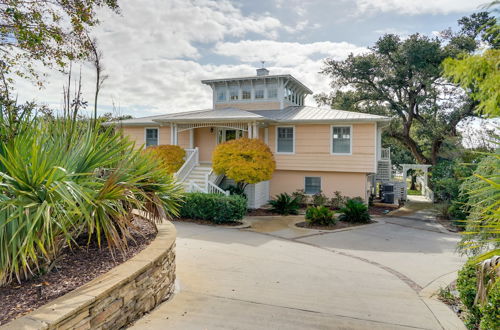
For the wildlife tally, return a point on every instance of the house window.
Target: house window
(341, 139)
(233, 93)
(246, 93)
(221, 94)
(151, 137)
(285, 139)
(272, 92)
(312, 185)
(259, 92)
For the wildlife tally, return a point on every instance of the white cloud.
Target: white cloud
(413, 7)
(285, 53)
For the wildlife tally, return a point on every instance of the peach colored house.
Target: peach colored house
(316, 149)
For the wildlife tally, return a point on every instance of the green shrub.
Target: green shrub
(467, 289)
(285, 204)
(320, 215)
(354, 211)
(319, 199)
(443, 210)
(358, 199)
(338, 201)
(237, 190)
(301, 195)
(491, 310)
(213, 207)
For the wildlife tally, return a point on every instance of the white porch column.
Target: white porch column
(405, 173)
(191, 138)
(266, 135)
(175, 135)
(171, 133)
(249, 132)
(255, 131)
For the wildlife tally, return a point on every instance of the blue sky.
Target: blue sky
(157, 51)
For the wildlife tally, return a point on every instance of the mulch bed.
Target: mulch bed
(377, 210)
(338, 225)
(73, 269)
(207, 222)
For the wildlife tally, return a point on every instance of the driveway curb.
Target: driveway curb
(446, 317)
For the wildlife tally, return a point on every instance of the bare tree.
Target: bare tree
(96, 59)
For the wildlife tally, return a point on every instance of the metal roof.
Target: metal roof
(291, 114)
(275, 76)
(314, 114)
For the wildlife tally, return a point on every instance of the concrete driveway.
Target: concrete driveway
(277, 276)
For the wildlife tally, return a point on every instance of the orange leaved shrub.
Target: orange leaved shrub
(244, 160)
(170, 156)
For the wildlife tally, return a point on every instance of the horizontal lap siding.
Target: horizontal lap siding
(136, 134)
(312, 150)
(349, 184)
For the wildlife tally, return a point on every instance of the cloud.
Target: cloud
(412, 7)
(285, 53)
(156, 55)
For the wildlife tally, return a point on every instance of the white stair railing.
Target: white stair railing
(192, 159)
(211, 183)
(193, 187)
(214, 189)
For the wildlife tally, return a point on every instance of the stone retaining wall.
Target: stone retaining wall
(116, 298)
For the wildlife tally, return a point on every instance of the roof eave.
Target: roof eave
(327, 121)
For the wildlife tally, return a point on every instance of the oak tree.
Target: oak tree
(403, 79)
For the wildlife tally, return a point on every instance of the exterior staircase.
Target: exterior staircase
(384, 166)
(198, 175)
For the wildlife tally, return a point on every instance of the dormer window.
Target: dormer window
(246, 92)
(233, 93)
(259, 91)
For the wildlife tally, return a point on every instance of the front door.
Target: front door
(226, 134)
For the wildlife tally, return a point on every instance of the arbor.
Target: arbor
(403, 79)
(244, 160)
(50, 32)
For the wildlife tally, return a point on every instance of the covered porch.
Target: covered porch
(207, 135)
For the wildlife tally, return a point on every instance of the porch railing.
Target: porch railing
(192, 159)
(385, 154)
(211, 183)
(193, 187)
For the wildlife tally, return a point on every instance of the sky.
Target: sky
(156, 52)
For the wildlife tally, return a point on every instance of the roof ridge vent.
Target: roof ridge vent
(262, 72)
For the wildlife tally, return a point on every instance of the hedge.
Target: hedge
(213, 207)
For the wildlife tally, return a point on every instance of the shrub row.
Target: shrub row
(337, 202)
(213, 207)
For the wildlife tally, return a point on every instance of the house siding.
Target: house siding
(349, 184)
(250, 105)
(313, 145)
(136, 134)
